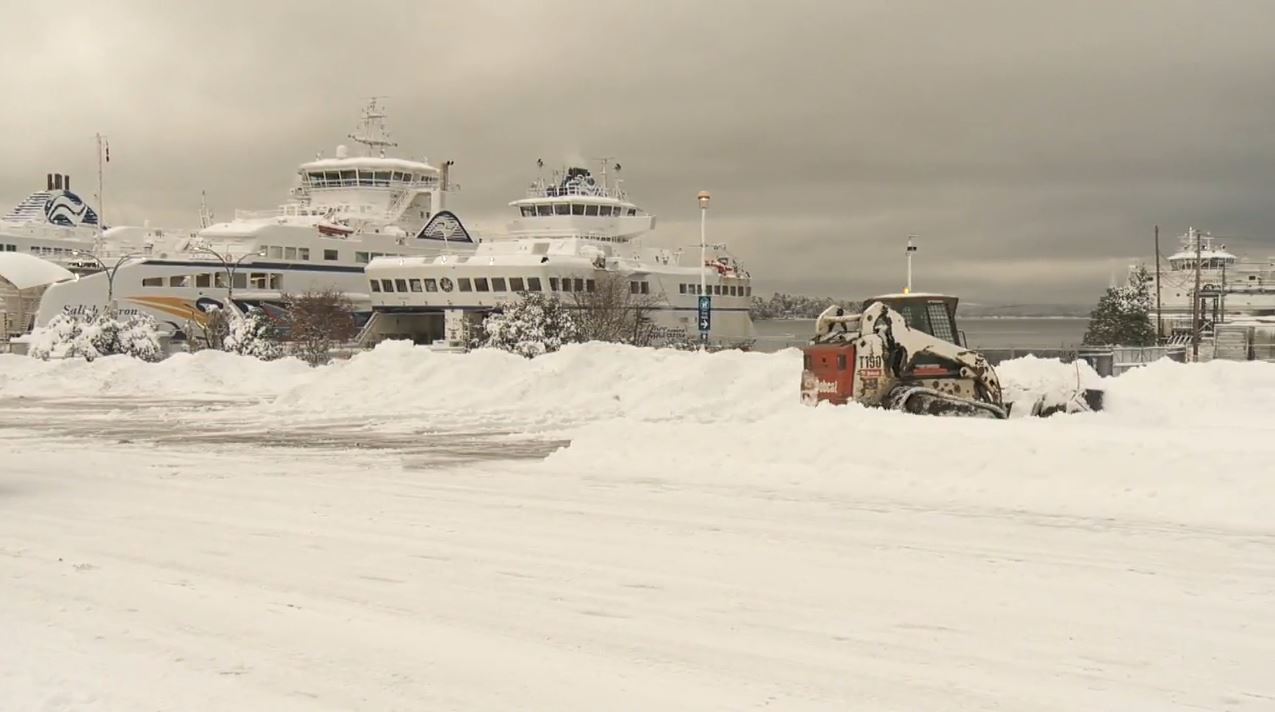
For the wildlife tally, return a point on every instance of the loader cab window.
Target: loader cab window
(940, 322)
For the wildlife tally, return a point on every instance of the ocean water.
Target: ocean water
(980, 332)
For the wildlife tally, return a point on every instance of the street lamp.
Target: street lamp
(230, 267)
(705, 301)
(110, 272)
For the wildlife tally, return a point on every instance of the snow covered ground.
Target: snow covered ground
(608, 528)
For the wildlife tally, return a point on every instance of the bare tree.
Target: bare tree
(617, 309)
(317, 321)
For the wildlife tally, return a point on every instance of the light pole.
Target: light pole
(911, 249)
(705, 301)
(110, 273)
(230, 267)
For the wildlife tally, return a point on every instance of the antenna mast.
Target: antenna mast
(372, 132)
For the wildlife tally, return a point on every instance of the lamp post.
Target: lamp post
(705, 301)
(110, 273)
(911, 249)
(230, 266)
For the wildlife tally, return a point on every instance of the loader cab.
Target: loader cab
(934, 314)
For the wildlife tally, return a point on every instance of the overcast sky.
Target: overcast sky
(1031, 145)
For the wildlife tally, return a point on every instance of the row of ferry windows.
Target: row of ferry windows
(721, 290)
(496, 284)
(606, 211)
(11, 248)
(243, 280)
(346, 179)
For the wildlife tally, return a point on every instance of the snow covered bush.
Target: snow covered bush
(536, 324)
(1123, 315)
(252, 335)
(69, 336)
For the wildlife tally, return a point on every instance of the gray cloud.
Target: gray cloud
(1032, 145)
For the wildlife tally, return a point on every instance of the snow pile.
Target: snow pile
(579, 382)
(1216, 392)
(1026, 379)
(206, 374)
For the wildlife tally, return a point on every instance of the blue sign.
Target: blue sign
(705, 313)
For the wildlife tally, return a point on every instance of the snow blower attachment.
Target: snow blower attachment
(907, 360)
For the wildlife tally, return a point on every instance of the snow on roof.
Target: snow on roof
(373, 162)
(26, 271)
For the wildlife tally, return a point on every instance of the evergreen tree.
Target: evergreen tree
(1123, 315)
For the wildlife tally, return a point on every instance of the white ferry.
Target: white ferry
(344, 212)
(1231, 288)
(568, 235)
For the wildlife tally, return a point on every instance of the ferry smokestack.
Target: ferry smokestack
(57, 181)
(48, 181)
(66, 183)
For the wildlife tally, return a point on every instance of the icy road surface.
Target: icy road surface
(694, 541)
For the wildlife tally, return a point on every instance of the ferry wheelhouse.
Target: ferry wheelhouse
(569, 237)
(344, 212)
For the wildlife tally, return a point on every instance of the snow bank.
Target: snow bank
(206, 374)
(580, 382)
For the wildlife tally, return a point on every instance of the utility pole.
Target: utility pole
(1159, 314)
(1195, 302)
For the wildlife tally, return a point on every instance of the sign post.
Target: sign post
(705, 317)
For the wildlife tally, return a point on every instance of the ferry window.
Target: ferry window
(240, 281)
(590, 210)
(259, 280)
(590, 285)
(480, 284)
(203, 280)
(464, 285)
(303, 253)
(400, 285)
(533, 284)
(333, 178)
(179, 280)
(577, 208)
(498, 284)
(387, 285)
(646, 287)
(331, 255)
(606, 211)
(579, 284)
(748, 291)
(682, 288)
(633, 287)
(734, 291)
(562, 209)
(153, 282)
(528, 211)
(431, 285)
(543, 210)
(415, 285)
(553, 284)
(376, 286)
(289, 253)
(219, 280)
(632, 211)
(275, 252)
(515, 284)
(276, 280)
(396, 176)
(349, 177)
(361, 257)
(382, 178)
